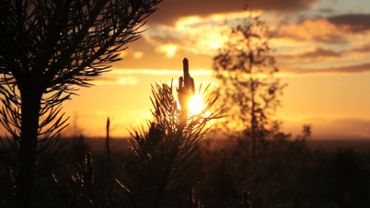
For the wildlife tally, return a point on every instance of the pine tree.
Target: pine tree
(245, 67)
(47, 50)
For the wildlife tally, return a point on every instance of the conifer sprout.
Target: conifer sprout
(162, 172)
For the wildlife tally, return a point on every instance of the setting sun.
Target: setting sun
(196, 105)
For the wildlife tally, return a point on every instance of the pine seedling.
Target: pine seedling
(108, 164)
(107, 143)
(162, 170)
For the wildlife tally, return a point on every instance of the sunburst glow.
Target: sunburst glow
(196, 105)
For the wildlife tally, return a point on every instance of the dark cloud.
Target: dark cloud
(327, 10)
(365, 48)
(321, 52)
(357, 22)
(349, 69)
(170, 10)
(330, 38)
(317, 53)
(166, 38)
(342, 69)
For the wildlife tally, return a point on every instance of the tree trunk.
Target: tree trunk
(31, 99)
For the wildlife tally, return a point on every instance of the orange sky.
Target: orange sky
(322, 49)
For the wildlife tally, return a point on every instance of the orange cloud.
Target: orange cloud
(171, 10)
(309, 45)
(320, 30)
(113, 79)
(313, 54)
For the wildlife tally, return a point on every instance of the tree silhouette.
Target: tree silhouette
(245, 67)
(47, 50)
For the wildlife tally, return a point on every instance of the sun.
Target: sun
(196, 105)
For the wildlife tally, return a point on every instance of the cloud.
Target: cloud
(170, 10)
(356, 22)
(321, 52)
(357, 68)
(316, 53)
(113, 79)
(312, 45)
(364, 48)
(205, 34)
(198, 35)
(332, 29)
(177, 72)
(317, 30)
(348, 69)
(323, 45)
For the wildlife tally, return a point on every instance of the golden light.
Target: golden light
(196, 105)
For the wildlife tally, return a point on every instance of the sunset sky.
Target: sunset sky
(322, 50)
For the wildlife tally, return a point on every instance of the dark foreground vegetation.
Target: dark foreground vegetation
(287, 174)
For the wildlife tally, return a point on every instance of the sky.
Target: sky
(322, 51)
